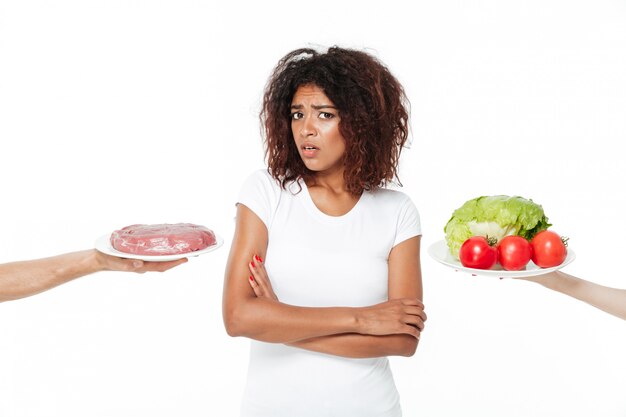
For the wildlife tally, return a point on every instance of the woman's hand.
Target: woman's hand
(259, 281)
(400, 316)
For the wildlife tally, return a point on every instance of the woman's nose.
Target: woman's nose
(308, 127)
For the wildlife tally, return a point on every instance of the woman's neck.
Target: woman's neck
(333, 182)
(330, 195)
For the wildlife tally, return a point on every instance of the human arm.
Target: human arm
(24, 278)
(607, 299)
(269, 320)
(404, 283)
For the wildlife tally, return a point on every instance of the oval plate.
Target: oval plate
(103, 244)
(439, 251)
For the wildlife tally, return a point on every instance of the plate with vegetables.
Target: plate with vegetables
(501, 236)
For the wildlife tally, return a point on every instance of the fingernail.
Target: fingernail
(250, 277)
(252, 263)
(257, 258)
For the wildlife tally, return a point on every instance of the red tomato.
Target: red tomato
(514, 253)
(476, 252)
(548, 249)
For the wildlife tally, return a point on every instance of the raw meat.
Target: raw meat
(162, 239)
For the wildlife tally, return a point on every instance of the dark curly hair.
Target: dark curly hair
(369, 99)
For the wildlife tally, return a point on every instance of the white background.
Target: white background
(119, 112)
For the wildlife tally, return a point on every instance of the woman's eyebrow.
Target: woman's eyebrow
(324, 106)
(316, 107)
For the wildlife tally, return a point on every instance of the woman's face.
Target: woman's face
(315, 128)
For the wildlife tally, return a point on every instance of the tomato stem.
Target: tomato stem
(491, 240)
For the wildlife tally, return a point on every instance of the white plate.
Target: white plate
(103, 244)
(439, 251)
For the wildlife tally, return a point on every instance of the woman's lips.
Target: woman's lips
(309, 151)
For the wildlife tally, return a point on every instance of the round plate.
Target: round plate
(103, 244)
(439, 251)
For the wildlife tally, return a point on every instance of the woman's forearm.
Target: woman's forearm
(24, 278)
(354, 345)
(271, 321)
(275, 322)
(607, 299)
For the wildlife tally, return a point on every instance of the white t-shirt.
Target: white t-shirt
(317, 260)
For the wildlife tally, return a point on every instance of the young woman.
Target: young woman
(324, 269)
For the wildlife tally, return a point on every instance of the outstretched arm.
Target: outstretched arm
(25, 278)
(610, 300)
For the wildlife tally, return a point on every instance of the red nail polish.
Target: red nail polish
(260, 260)
(252, 263)
(251, 279)
(257, 258)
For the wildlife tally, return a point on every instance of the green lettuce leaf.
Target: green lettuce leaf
(494, 216)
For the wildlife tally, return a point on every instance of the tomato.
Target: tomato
(548, 249)
(476, 252)
(514, 252)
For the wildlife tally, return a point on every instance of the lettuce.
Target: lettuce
(494, 216)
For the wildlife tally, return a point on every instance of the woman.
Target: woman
(324, 269)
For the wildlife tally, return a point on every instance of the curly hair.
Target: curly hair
(370, 101)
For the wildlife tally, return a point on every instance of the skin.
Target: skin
(607, 299)
(251, 308)
(26, 278)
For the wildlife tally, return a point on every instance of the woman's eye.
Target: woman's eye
(325, 115)
(296, 116)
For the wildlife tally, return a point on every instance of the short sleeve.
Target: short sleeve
(408, 222)
(260, 193)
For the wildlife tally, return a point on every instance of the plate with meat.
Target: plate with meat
(159, 242)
